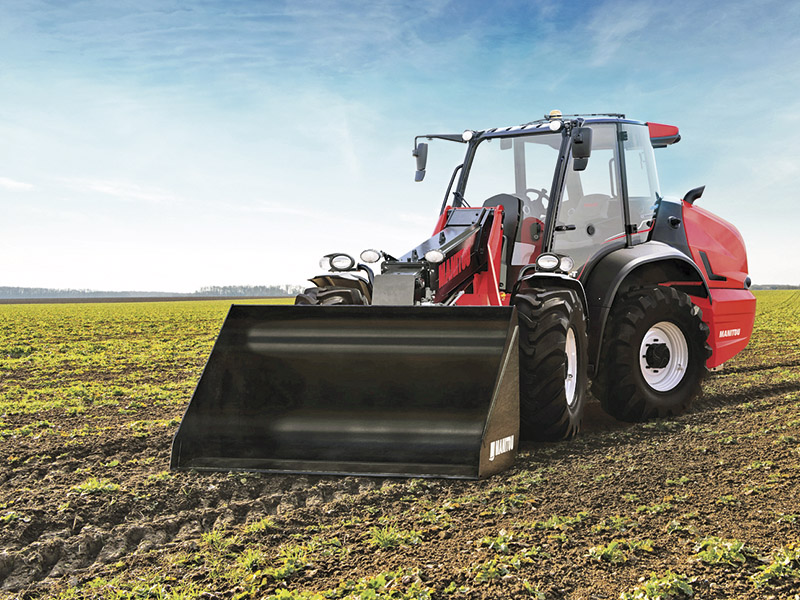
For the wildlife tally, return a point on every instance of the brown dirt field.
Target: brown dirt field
(730, 468)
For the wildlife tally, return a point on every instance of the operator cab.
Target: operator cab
(578, 213)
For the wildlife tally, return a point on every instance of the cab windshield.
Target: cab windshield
(590, 216)
(521, 166)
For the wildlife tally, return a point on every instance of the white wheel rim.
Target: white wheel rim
(571, 377)
(661, 337)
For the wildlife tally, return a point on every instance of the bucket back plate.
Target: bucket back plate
(370, 390)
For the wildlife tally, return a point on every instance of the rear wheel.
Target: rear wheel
(654, 355)
(552, 362)
(329, 296)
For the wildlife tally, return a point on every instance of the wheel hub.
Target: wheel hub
(657, 356)
(571, 376)
(663, 356)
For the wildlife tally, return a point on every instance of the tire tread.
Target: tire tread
(545, 316)
(619, 385)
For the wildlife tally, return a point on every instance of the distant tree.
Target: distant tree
(249, 290)
(775, 286)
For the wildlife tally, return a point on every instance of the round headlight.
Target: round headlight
(371, 256)
(547, 262)
(434, 256)
(325, 263)
(467, 135)
(566, 264)
(342, 262)
(555, 125)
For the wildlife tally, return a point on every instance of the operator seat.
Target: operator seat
(512, 207)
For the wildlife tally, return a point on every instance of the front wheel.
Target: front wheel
(552, 361)
(653, 357)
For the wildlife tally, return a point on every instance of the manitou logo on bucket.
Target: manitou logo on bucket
(729, 332)
(453, 266)
(501, 446)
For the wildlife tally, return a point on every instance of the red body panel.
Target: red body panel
(723, 246)
(718, 250)
(730, 317)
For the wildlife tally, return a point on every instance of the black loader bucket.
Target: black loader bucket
(366, 390)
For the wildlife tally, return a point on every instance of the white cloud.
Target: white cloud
(122, 189)
(12, 184)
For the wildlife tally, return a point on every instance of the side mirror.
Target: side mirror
(581, 147)
(421, 154)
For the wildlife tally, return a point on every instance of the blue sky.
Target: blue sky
(156, 145)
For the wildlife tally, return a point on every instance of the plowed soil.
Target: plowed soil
(97, 513)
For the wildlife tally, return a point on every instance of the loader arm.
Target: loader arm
(460, 263)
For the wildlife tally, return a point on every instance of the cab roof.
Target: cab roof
(661, 135)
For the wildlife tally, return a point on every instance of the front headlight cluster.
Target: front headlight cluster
(553, 262)
(337, 262)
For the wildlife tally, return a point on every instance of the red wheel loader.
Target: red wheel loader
(554, 262)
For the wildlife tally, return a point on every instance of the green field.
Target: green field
(90, 395)
(75, 356)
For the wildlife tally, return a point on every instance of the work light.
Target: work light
(434, 256)
(342, 262)
(548, 262)
(371, 256)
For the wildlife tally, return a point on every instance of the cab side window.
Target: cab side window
(642, 180)
(590, 214)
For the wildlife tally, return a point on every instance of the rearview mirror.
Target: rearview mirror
(421, 154)
(581, 147)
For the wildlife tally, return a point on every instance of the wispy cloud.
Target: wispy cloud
(12, 184)
(122, 190)
(615, 26)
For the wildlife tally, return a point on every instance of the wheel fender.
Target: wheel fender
(345, 281)
(552, 280)
(606, 277)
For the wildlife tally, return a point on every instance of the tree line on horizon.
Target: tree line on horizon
(9, 292)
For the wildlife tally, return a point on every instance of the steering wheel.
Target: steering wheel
(538, 202)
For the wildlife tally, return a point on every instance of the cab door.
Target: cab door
(590, 217)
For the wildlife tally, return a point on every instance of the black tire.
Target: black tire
(330, 296)
(552, 363)
(654, 355)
